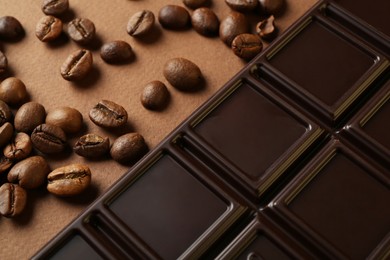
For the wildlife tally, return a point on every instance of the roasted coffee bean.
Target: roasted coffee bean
(69, 119)
(266, 29)
(3, 63)
(108, 114)
(174, 17)
(183, 74)
(140, 23)
(48, 139)
(116, 52)
(247, 45)
(48, 28)
(193, 4)
(10, 28)
(155, 95)
(5, 112)
(128, 148)
(92, 146)
(5, 164)
(272, 6)
(69, 180)
(30, 173)
(242, 5)
(12, 200)
(29, 116)
(77, 65)
(55, 7)
(6, 133)
(205, 21)
(235, 23)
(81, 30)
(19, 148)
(13, 91)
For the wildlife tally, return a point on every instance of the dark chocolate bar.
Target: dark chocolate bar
(289, 160)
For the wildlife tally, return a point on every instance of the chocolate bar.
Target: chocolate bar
(289, 159)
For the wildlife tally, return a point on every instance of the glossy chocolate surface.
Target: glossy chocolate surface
(75, 248)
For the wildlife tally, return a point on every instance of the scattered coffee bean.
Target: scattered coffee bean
(92, 146)
(10, 28)
(55, 7)
(193, 4)
(174, 17)
(81, 30)
(242, 5)
(29, 116)
(12, 200)
(116, 52)
(205, 21)
(128, 148)
(48, 28)
(233, 24)
(247, 45)
(183, 74)
(6, 133)
(5, 112)
(69, 119)
(48, 139)
(5, 164)
(69, 180)
(108, 114)
(140, 23)
(272, 6)
(77, 65)
(3, 63)
(266, 29)
(30, 173)
(19, 148)
(155, 95)
(13, 91)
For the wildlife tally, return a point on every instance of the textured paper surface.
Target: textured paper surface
(37, 65)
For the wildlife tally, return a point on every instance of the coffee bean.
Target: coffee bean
(183, 74)
(266, 29)
(69, 119)
(140, 23)
(69, 180)
(29, 173)
(77, 65)
(5, 164)
(233, 24)
(193, 4)
(3, 63)
(92, 146)
(81, 30)
(108, 114)
(19, 148)
(48, 28)
(13, 91)
(12, 200)
(247, 46)
(272, 6)
(10, 28)
(155, 95)
(205, 21)
(174, 17)
(6, 133)
(116, 52)
(242, 5)
(29, 116)
(128, 148)
(55, 7)
(48, 139)
(5, 112)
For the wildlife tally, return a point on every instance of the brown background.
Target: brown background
(37, 65)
